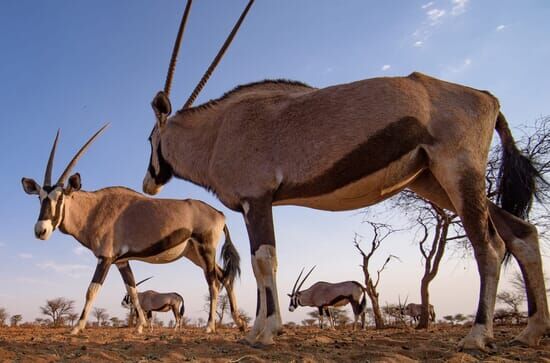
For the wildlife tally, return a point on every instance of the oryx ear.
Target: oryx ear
(30, 186)
(74, 183)
(162, 107)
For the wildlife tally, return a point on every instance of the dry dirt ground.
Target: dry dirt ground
(37, 344)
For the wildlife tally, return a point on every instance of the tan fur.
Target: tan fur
(344, 147)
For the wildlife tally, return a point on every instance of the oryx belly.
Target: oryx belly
(166, 256)
(369, 189)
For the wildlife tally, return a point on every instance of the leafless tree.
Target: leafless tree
(72, 317)
(381, 231)
(100, 314)
(15, 319)
(115, 322)
(340, 316)
(58, 309)
(222, 307)
(247, 319)
(308, 322)
(3, 316)
(200, 322)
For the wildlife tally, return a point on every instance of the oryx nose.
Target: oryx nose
(41, 229)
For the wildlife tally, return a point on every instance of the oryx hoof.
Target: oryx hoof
(210, 330)
(477, 344)
(139, 329)
(528, 337)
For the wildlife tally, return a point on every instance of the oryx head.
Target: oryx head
(51, 196)
(159, 171)
(295, 295)
(127, 300)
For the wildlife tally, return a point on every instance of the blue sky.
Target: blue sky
(75, 65)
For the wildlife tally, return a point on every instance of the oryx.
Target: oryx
(349, 146)
(151, 301)
(324, 295)
(415, 310)
(118, 225)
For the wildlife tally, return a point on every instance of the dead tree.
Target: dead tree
(381, 232)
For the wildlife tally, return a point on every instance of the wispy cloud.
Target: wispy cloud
(460, 67)
(25, 256)
(72, 270)
(418, 43)
(427, 5)
(435, 16)
(385, 67)
(459, 7)
(500, 27)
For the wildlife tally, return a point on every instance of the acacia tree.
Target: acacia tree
(58, 309)
(381, 231)
(221, 308)
(100, 314)
(72, 317)
(15, 319)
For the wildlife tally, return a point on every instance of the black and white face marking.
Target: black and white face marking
(293, 302)
(126, 302)
(51, 211)
(159, 171)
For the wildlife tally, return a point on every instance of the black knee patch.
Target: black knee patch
(270, 302)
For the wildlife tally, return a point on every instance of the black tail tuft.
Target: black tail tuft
(230, 258)
(517, 176)
(182, 309)
(363, 304)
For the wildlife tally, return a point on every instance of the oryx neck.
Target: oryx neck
(78, 210)
(187, 143)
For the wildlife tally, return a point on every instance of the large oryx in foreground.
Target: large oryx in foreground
(350, 146)
(118, 225)
(324, 295)
(415, 310)
(151, 301)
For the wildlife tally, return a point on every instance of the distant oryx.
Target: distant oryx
(151, 301)
(415, 310)
(346, 147)
(324, 295)
(118, 225)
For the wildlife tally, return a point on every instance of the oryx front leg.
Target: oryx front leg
(130, 283)
(259, 224)
(101, 271)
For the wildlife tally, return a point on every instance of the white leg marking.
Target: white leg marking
(91, 294)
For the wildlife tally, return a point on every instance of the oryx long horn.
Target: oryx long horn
(49, 166)
(177, 44)
(305, 278)
(296, 283)
(142, 281)
(73, 162)
(217, 59)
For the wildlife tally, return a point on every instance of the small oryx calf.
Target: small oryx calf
(324, 295)
(414, 311)
(151, 301)
(118, 225)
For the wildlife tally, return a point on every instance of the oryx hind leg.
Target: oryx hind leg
(232, 302)
(209, 255)
(130, 283)
(101, 271)
(463, 179)
(522, 242)
(259, 224)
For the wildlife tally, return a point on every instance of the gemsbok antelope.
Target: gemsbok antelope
(118, 225)
(151, 301)
(415, 310)
(349, 146)
(324, 295)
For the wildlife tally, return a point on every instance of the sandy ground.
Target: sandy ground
(37, 344)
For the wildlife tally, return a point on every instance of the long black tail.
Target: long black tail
(363, 304)
(182, 308)
(230, 259)
(517, 176)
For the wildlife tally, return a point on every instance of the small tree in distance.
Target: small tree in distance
(15, 319)
(3, 316)
(58, 309)
(100, 314)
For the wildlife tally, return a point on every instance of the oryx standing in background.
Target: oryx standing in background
(151, 301)
(415, 310)
(346, 147)
(118, 225)
(324, 295)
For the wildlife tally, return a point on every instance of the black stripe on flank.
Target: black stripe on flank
(339, 298)
(381, 149)
(166, 243)
(270, 301)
